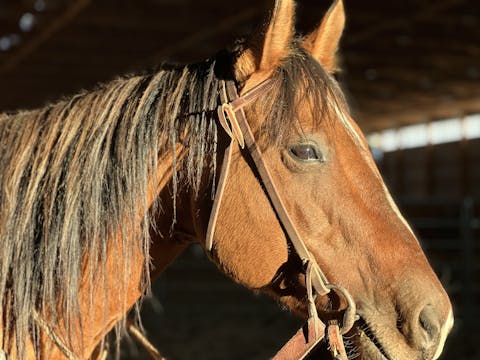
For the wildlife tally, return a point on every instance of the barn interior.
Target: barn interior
(411, 71)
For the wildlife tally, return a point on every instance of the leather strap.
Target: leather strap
(302, 343)
(335, 341)
(227, 157)
(142, 339)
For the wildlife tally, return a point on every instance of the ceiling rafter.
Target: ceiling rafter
(54, 26)
(402, 62)
(426, 12)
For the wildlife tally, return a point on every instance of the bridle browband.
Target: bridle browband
(231, 116)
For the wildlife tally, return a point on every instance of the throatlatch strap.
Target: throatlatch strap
(227, 157)
(222, 181)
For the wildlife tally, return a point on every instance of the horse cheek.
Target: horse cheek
(250, 245)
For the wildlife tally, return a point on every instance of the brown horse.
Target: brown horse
(101, 192)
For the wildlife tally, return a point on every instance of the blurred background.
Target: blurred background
(411, 70)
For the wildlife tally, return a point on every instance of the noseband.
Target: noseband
(231, 116)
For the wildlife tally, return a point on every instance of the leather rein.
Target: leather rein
(231, 116)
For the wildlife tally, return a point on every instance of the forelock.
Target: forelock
(301, 85)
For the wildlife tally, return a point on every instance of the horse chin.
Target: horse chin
(366, 347)
(365, 344)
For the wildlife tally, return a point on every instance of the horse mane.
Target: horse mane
(73, 173)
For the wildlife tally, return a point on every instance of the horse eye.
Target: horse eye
(305, 152)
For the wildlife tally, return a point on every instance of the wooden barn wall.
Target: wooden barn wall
(449, 170)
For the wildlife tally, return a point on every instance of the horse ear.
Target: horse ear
(272, 44)
(323, 42)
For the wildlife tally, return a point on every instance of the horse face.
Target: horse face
(340, 205)
(356, 233)
(346, 217)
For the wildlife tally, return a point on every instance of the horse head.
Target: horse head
(323, 170)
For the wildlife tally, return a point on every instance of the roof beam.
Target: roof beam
(222, 26)
(43, 35)
(393, 23)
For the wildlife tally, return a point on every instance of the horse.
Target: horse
(102, 191)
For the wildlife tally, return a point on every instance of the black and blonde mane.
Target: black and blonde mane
(75, 173)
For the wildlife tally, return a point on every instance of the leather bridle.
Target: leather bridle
(231, 116)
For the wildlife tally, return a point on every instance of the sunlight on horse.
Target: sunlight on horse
(100, 192)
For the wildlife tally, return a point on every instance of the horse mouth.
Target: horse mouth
(371, 347)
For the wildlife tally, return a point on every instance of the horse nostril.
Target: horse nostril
(430, 324)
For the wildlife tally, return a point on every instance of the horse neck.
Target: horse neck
(98, 320)
(175, 227)
(129, 119)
